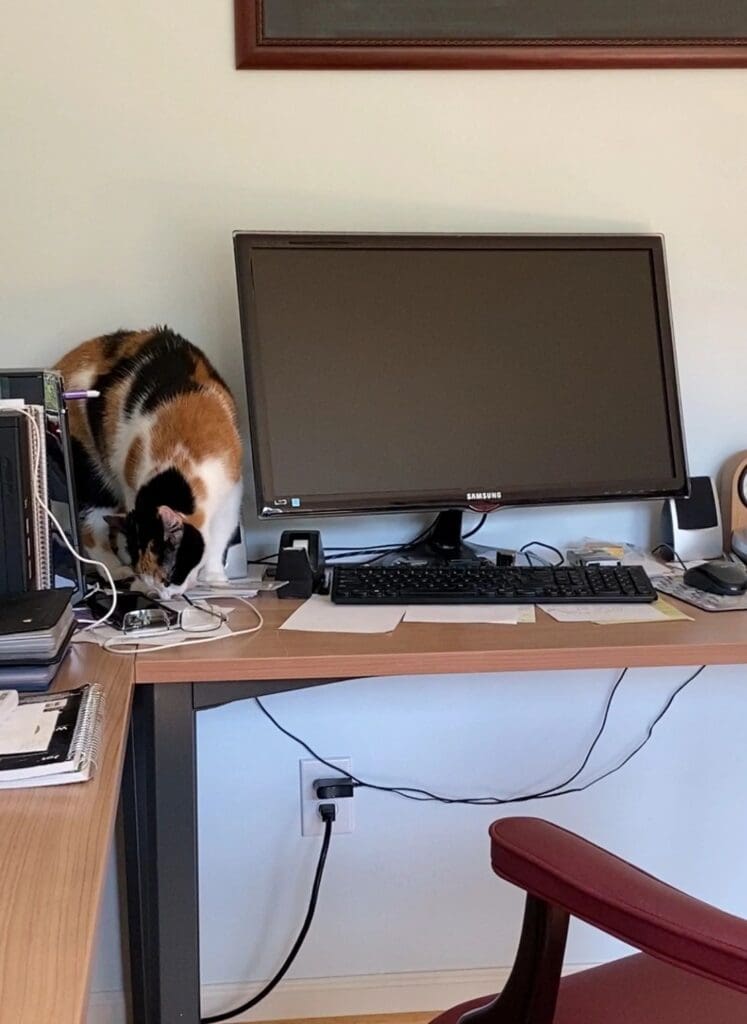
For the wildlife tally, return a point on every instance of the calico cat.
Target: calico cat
(157, 458)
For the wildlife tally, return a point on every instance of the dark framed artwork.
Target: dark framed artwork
(490, 33)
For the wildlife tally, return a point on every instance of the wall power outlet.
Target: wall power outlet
(311, 823)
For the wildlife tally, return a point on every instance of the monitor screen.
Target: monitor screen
(389, 372)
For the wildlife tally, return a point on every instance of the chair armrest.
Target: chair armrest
(607, 892)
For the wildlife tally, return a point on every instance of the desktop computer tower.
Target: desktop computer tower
(41, 392)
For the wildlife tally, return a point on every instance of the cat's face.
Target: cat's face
(165, 550)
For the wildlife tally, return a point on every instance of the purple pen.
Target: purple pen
(70, 396)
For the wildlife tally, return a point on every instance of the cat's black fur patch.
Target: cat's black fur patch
(167, 488)
(95, 407)
(188, 554)
(112, 342)
(91, 491)
(146, 527)
(164, 370)
(159, 371)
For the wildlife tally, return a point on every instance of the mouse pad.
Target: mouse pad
(676, 587)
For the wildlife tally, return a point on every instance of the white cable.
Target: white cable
(117, 644)
(207, 609)
(63, 536)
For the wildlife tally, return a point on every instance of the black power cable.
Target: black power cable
(327, 812)
(668, 554)
(473, 531)
(540, 544)
(559, 789)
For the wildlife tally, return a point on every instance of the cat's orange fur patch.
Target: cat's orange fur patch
(133, 461)
(115, 401)
(197, 519)
(148, 563)
(217, 437)
(203, 376)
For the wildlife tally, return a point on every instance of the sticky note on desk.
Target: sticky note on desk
(611, 614)
(319, 615)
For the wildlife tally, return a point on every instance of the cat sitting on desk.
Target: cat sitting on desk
(157, 458)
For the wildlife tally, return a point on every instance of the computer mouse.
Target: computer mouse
(718, 577)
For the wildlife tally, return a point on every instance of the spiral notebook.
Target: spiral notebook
(50, 739)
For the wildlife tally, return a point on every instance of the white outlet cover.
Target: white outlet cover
(311, 823)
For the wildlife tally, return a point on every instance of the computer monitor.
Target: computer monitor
(389, 373)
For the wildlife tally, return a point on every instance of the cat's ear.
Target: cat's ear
(117, 522)
(173, 524)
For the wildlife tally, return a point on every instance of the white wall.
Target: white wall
(131, 149)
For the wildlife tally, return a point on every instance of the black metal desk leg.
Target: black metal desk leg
(160, 817)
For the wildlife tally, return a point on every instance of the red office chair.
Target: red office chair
(693, 968)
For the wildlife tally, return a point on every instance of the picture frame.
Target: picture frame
(490, 33)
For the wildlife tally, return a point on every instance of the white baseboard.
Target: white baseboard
(334, 997)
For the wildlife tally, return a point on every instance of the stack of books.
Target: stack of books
(36, 628)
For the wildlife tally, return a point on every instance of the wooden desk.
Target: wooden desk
(54, 847)
(160, 778)
(415, 649)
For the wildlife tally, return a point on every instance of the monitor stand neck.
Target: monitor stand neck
(444, 542)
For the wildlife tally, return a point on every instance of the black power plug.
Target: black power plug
(339, 788)
(327, 812)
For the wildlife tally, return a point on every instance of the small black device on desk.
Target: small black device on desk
(481, 582)
(720, 576)
(134, 611)
(300, 563)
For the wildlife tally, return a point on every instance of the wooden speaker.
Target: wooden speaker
(734, 496)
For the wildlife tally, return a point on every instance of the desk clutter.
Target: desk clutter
(434, 579)
(49, 739)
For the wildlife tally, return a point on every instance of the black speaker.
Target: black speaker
(300, 563)
(692, 526)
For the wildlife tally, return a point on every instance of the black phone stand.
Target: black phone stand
(300, 563)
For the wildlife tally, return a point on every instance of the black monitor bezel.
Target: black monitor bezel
(271, 504)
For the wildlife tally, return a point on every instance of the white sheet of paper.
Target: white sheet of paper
(601, 613)
(8, 703)
(319, 615)
(28, 729)
(496, 614)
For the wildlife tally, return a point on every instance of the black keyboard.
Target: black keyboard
(481, 582)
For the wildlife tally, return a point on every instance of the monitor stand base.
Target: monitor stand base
(443, 544)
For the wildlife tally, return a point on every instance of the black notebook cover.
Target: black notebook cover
(69, 739)
(33, 611)
(59, 748)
